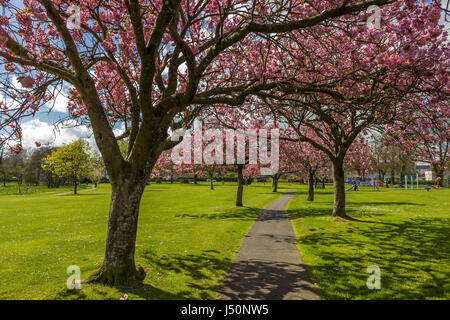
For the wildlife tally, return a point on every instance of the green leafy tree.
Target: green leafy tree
(97, 167)
(72, 161)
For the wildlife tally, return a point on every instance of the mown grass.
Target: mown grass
(405, 233)
(14, 189)
(187, 237)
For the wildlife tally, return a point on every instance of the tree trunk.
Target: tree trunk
(310, 186)
(393, 178)
(212, 183)
(316, 183)
(402, 172)
(195, 179)
(439, 177)
(119, 268)
(339, 188)
(240, 189)
(275, 184)
(323, 183)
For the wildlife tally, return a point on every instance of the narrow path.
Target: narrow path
(71, 192)
(268, 265)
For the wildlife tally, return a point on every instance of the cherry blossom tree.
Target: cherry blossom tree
(427, 133)
(147, 65)
(363, 77)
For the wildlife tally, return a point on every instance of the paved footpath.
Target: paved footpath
(268, 265)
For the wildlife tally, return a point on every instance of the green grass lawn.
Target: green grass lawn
(13, 189)
(405, 233)
(187, 238)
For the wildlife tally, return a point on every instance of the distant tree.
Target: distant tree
(72, 161)
(13, 166)
(2, 165)
(97, 168)
(34, 172)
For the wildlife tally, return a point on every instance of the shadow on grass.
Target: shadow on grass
(407, 251)
(151, 190)
(202, 270)
(81, 194)
(264, 280)
(243, 213)
(67, 294)
(388, 203)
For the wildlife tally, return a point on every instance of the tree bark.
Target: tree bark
(439, 177)
(275, 183)
(195, 179)
(75, 186)
(323, 183)
(119, 268)
(402, 172)
(310, 186)
(211, 182)
(240, 189)
(339, 188)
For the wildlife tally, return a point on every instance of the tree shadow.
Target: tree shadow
(151, 190)
(241, 213)
(404, 250)
(385, 203)
(67, 294)
(264, 280)
(80, 194)
(204, 269)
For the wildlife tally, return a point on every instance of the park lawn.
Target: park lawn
(187, 238)
(405, 233)
(13, 189)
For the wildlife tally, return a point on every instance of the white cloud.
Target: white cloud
(59, 104)
(445, 17)
(46, 133)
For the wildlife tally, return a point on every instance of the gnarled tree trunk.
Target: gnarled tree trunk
(119, 268)
(240, 189)
(339, 188)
